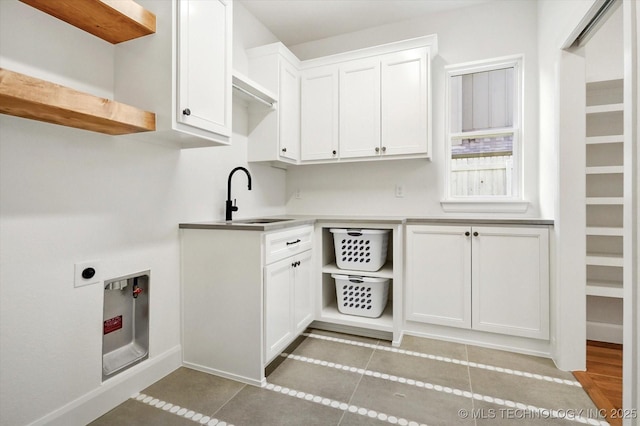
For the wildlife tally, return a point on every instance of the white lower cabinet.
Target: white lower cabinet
(493, 279)
(246, 295)
(287, 301)
(439, 275)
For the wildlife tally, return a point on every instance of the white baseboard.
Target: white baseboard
(114, 391)
(604, 332)
(242, 379)
(522, 345)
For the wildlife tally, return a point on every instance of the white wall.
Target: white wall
(481, 32)
(562, 159)
(604, 51)
(70, 195)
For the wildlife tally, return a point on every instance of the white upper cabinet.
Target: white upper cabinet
(289, 112)
(368, 104)
(183, 72)
(384, 105)
(405, 108)
(319, 113)
(360, 108)
(274, 135)
(204, 58)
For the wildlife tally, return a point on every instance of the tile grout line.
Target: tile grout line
(228, 400)
(178, 411)
(439, 388)
(473, 403)
(355, 389)
(451, 360)
(332, 403)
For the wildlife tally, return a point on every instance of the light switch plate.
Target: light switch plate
(79, 280)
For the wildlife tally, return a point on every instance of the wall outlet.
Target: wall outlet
(399, 191)
(86, 273)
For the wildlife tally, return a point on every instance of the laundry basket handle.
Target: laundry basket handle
(354, 232)
(356, 280)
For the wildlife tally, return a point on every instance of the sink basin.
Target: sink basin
(259, 221)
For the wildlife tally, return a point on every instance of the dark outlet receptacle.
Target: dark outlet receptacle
(88, 273)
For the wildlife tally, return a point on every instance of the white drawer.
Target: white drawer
(281, 244)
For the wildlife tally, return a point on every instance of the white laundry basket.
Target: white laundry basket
(362, 296)
(360, 249)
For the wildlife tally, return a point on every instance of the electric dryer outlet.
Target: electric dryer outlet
(86, 273)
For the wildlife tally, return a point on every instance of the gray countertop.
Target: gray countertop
(289, 221)
(478, 221)
(244, 225)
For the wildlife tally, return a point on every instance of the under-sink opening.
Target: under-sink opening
(125, 331)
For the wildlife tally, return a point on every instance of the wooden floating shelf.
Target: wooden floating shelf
(29, 97)
(114, 21)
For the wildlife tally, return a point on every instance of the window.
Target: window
(484, 110)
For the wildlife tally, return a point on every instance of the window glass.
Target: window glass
(483, 131)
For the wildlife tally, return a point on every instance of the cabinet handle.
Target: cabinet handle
(284, 149)
(384, 149)
(295, 264)
(475, 234)
(289, 243)
(186, 111)
(467, 233)
(334, 152)
(377, 149)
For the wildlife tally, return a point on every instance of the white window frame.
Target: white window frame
(514, 202)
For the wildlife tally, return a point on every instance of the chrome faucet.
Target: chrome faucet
(231, 205)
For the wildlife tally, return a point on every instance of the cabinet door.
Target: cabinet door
(511, 281)
(404, 102)
(319, 113)
(360, 108)
(204, 65)
(277, 307)
(289, 112)
(302, 290)
(439, 275)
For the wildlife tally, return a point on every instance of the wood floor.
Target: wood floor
(603, 378)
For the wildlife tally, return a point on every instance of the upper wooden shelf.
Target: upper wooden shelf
(29, 97)
(112, 20)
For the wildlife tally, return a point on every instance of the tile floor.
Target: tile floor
(328, 378)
